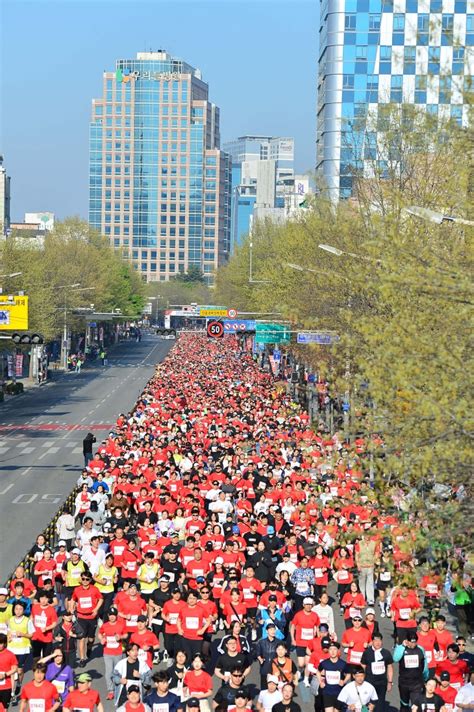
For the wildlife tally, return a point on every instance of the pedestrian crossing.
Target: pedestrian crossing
(17, 449)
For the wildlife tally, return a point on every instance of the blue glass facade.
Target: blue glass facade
(375, 52)
(154, 141)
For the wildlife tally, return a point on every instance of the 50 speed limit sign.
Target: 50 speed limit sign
(215, 329)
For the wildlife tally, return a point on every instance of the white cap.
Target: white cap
(3, 592)
(369, 610)
(272, 678)
(219, 560)
(308, 600)
(61, 543)
(76, 551)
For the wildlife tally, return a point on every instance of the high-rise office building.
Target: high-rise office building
(159, 183)
(375, 52)
(262, 166)
(4, 199)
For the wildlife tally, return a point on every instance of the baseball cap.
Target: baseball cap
(286, 554)
(356, 616)
(3, 592)
(325, 642)
(412, 635)
(200, 579)
(445, 675)
(76, 551)
(133, 688)
(219, 560)
(142, 619)
(61, 543)
(113, 611)
(272, 598)
(272, 678)
(84, 677)
(270, 624)
(241, 693)
(192, 702)
(308, 601)
(370, 610)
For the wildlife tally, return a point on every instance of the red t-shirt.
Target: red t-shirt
(130, 607)
(192, 620)
(306, 625)
(7, 660)
(458, 671)
(448, 695)
(145, 640)
(109, 630)
(82, 700)
(361, 638)
(42, 618)
(86, 600)
(171, 610)
(197, 683)
(28, 586)
(40, 697)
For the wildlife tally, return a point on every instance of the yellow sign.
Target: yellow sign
(13, 313)
(213, 312)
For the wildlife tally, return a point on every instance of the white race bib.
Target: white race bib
(192, 623)
(112, 642)
(385, 576)
(405, 614)
(85, 602)
(37, 705)
(333, 677)
(411, 661)
(355, 656)
(307, 633)
(378, 667)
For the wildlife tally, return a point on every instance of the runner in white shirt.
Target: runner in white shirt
(465, 697)
(269, 697)
(325, 613)
(358, 693)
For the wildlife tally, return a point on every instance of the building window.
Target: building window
(374, 22)
(398, 22)
(434, 56)
(350, 22)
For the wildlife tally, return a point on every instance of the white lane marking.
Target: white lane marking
(76, 451)
(8, 487)
(25, 472)
(43, 455)
(27, 451)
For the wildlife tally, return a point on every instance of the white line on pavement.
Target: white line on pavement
(8, 487)
(25, 472)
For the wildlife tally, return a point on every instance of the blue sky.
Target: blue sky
(258, 57)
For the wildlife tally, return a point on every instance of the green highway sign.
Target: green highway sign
(272, 334)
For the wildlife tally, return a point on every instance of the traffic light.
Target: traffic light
(26, 338)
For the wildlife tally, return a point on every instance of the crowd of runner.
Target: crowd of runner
(222, 555)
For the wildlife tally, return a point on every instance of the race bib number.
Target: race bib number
(432, 589)
(318, 573)
(60, 685)
(161, 707)
(40, 621)
(385, 576)
(173, 618)
(37, 705)
(355, 656)
(192, 623)
(343, 575)
(248, 593)
(112, 642)
(301, 587)
(354, 612)
(412, 661)
(378, 667)
(429, 656)
(307, 633)
(85, 602)
(142, 656)
(405, 614)
(333, 677)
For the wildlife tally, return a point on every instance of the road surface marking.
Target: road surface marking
(4, 491)
(27, 451)
(25, 472)
(76, 451)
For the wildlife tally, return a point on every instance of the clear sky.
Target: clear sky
(258, 57)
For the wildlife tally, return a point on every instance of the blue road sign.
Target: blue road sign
(316, 338)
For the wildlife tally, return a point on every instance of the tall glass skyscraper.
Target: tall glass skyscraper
(373, 52)
(160, 187)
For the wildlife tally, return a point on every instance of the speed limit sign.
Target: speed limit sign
(232, 313)
(215, 329)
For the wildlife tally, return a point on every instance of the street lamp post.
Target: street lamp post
(76, 287)
(435, 216)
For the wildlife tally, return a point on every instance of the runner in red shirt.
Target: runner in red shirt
(111, 636)
(404, 606)
(458, 669)
(356, 640)
(44, 618)
(446, 691)
(8, 668)
(130, 605)
(39, 695)
(251, 589)
(83, 698)
(86, 602)
(170, 614)
(192, 624)
(303, 628)
(146, 641)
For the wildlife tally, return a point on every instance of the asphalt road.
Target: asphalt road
(41, 435)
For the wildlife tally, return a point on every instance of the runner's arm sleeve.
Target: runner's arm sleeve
(398, 653)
